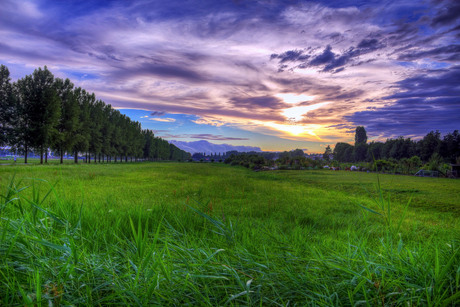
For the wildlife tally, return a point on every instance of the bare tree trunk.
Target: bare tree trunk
(41, 154)
(25, 154)
(62, 156)
(46, 155)
(75, 157)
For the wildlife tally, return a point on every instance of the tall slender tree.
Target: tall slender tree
(360, 135)
(23, 129)
(81, 143)
(7, 106)
(327, 153)
(96, 122)
(69, 119)
(45, 109)
(107, 128)
(360, 150)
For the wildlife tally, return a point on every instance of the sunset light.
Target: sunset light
(298, 113)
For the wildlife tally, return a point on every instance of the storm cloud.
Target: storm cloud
(421, 102)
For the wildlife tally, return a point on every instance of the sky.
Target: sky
(278, 75)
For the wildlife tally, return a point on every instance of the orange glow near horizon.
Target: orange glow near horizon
(296, 130)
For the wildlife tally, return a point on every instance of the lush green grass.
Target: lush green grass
(209, 234)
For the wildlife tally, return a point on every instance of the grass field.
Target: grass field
(210, 234)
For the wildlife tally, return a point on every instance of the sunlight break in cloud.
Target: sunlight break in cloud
(294, 98)
(297, 113)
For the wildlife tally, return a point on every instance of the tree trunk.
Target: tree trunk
(41, 154)
(126, 158)
(25, 154)
(115, 159)
(62, 156)
(75, 157)
(46, 156)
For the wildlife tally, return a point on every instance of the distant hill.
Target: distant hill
(210, 148)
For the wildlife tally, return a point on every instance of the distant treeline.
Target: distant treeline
(40, 112)
(432, 146)
(401, 155)
(294, 159)
(202, 156)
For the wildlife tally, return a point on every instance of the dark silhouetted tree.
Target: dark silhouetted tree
(343, 152)
(450, 146)
(429, 145)
(360, 135)
(69, 119)
(327, 153)
(7, 107)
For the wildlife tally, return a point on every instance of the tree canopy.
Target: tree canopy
(360, 135)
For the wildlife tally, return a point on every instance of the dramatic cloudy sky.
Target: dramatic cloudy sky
(275, 74)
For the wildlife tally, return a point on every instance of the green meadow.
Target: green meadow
(210, 234)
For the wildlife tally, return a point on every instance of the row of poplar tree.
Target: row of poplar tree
(41, 112)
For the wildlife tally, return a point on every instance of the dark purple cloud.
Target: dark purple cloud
(431, 84)
(448, 14)
(157, 113)
(291, 56)
(421, 103)
(206, 136)
(324, 58)
(450, 53)
(328, 60)
(203, 136)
